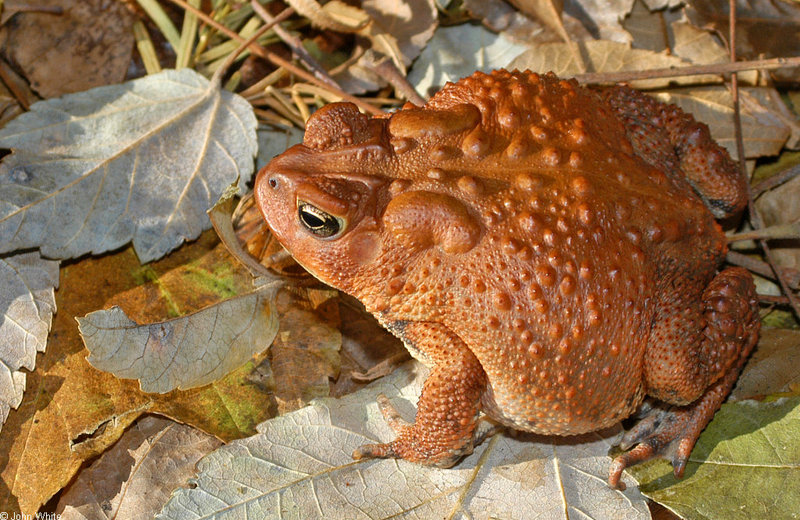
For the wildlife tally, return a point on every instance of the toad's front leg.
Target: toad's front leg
(448, 408)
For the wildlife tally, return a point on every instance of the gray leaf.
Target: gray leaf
(140, 161)
(27, 304)
(186, 352)
(300, 466)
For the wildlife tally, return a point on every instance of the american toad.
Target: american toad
(551, 252)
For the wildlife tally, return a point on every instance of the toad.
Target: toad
(549, 251)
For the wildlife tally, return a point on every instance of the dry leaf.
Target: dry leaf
(274, 141)
(305, 354)
(300, 466)
(141, 161)
(773, 367)
(764, 130)
(647, 28)
(697, 46)
(764, 28)
(136, 476)
(88, 45)
(603, 17)
(399, 30)
(185, 352)
(456, 52)
(500, 17)
(779, 206)
(603, 56)
(334, 15)
(27, 304)
(72, 412)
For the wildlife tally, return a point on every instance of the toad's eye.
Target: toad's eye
(318, 222)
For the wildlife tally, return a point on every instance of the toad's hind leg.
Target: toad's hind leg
(661, 133)
(692, 374)
(448, 408)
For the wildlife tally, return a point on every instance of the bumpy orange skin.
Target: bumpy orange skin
(549, 250)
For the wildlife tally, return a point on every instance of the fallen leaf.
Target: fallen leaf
(500, 17)
(744, 466)
(763, 129)
(70, 412)
(88, 45)
(27, 304)
(603, 56)
(764, 28)
(134, 478)
(334, 15)
(141, 161)
(696, 45)
(185, 352)
(300, 466)
(273, 141)
(399, 30)
(307, 343)
(646, 28)
(779, 206)
(603, 17)
(456, 52)
(773, 367)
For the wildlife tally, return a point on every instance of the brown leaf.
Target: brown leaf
(305, 354)
(87, 46)
(772, 368)
(779, 206)
(498, 16)
(764, 128)
(603, 56)
(764, 28)
(393, 32)
(135, 477)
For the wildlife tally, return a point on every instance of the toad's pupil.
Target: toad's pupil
(317, 221)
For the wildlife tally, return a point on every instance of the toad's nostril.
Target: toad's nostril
(273, 182)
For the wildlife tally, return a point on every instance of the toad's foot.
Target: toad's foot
(414, 444)
(670, 431)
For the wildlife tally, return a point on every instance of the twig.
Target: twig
(776, 180)
(233, 55)
(294, 43)
(774, 300)
(596, 78)
(275, 59)
(755, 218)
(33, 8)
(759, 267)
(20, 93)
(386, 69)
(789, 231)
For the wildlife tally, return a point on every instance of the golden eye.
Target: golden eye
(318, 222)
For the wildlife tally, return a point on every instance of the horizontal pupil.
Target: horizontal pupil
(312, 220)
